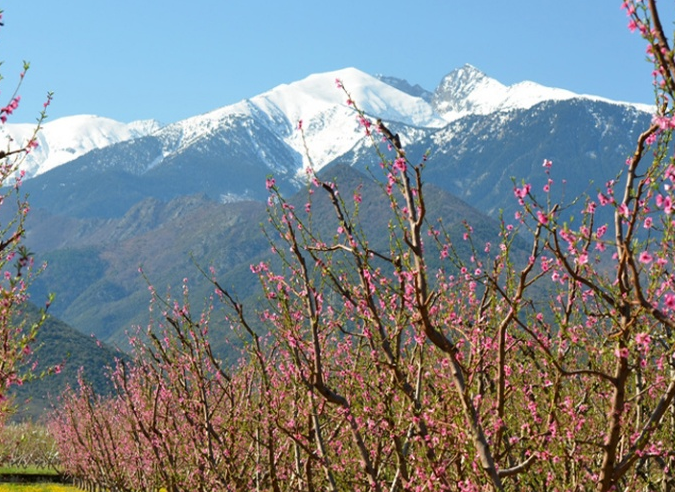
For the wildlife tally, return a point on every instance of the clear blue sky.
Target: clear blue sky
(171, 59)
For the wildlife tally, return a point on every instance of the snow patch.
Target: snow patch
(65, 139)
(330, 125)
(467, 90)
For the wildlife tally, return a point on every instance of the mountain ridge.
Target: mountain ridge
(315, 100)
(196, 188)
(67, 138)
(468, 91)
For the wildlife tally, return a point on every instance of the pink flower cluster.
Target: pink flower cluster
(9, 109)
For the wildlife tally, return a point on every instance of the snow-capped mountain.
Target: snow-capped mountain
(190, 187)
(228, 153)
(330, 125)
(405, 86)
(65, 139)
(467, 90)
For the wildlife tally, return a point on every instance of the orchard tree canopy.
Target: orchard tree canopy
(367, 368)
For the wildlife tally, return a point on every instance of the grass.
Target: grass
(30, 470)
(36, 487)
(32, 487)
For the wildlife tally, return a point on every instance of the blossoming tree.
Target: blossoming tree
(15, 259)
(368, 368)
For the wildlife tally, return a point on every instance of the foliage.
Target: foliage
(377, 371)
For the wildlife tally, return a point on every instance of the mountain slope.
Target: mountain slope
(330, 125)
(67, 138)
(58, 344)
(479, 157)
(228, 153)
(92, 264)
(468, 91)
(196, 188)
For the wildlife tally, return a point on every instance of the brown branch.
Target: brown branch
(647, 431)
(662, 47)
(515, 470)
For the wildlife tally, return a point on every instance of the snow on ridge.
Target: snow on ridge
(467, 90)
(184, 132)
(645, 108)
(307, 97)
(524, 95)
(330, 125)
(65, 139)
(145, 127)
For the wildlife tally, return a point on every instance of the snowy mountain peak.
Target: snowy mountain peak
(67, 138)
(463, 80)
(330, 124)
(314, 94)
(270, 120)
(467, 90)
(323, 107)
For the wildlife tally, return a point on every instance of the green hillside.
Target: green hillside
(58, 344)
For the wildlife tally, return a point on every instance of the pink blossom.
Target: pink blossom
(400, 164)
(623, 210)
(621, 352)
(643, 340)
(665, 202)
(670, 301)
(645, 257)
(522, 192)
(603, 199)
